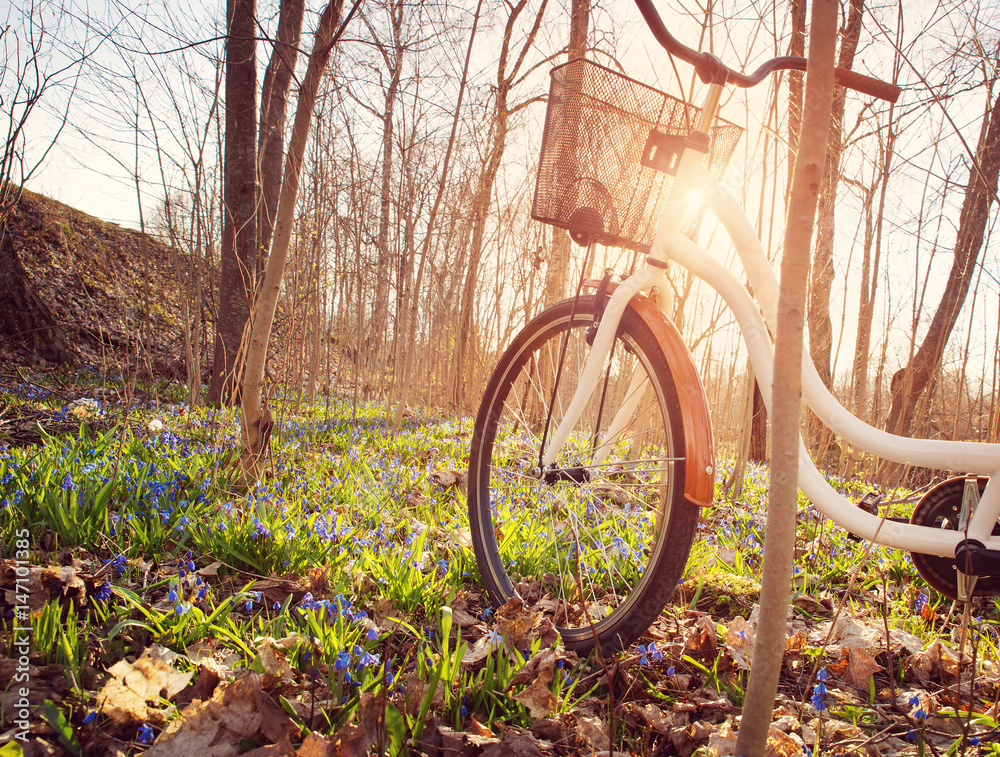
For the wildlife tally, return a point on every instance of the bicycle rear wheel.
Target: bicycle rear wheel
(600, 541)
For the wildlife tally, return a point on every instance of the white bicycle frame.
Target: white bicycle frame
(965, 458)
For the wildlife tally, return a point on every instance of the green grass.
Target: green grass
(352, 553)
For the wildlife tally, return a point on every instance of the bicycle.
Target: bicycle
(592, 450)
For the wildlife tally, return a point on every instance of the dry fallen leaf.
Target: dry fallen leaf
(478, 651)
(537, 698)
(936, 658)
(463, 618)
(515, 742)
(238, 710)
(520, 628)
(703, 637)
(209, 570)
(125, 696)
(860, 668)
(651, 715)
(723, 741)
(283, 749)
(739, 642)
(55, 583)
(447, 479)
(314, 746)
(780, 744)
(838, 730)
(440, 741)
(849, 633)
(593, 732)
(796, 643)
(121, 704)
(274, 663)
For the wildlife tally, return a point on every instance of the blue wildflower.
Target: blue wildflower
(367, 659)
(817, 696)
(145, 734)
(342, 660)
(494, 638)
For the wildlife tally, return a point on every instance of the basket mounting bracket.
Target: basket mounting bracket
(663, 151)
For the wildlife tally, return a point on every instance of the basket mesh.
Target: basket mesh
(592, 179)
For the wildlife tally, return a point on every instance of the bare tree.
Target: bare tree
(392, 57)
(509, 73)
(818, 315)
(256, 421)
(559, 255)
(910, 381)
(411, 320)
(271, 135)
(239, 227)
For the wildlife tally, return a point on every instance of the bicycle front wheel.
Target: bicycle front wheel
(599, 540)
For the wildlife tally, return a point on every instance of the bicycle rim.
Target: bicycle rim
(599, 543)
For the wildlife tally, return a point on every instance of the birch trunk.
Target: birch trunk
(256, 419)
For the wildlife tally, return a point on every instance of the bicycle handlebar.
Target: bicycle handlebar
(711, 69)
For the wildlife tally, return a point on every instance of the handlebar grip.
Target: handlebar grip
(868, 85)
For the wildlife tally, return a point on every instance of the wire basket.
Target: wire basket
(595, 175)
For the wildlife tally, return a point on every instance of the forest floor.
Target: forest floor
(336, 608)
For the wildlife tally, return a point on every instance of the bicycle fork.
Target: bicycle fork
(645, 279)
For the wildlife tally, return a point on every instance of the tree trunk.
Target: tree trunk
(758, 422)
(256, 422)
(393, 60)
(779, 544)
(796, 47)
(908, 383)
(558, 268)
(820, 327)
(239, 222)
(273, 104)
(870, 267)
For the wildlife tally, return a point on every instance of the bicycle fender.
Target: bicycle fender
(699, 447)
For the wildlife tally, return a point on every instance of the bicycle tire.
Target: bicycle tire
(627, 529)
